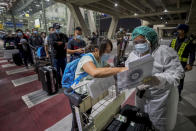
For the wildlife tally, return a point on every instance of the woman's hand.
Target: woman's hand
(123, 69)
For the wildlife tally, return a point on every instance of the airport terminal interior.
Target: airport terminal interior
(97, 65)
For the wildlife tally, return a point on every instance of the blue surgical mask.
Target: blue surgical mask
(19, 34)
(141, 47)
(105, 57)
(79, 37)
(35, 32)
(57, 30)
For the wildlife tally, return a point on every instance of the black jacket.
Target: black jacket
(36, 41)
(58, 51)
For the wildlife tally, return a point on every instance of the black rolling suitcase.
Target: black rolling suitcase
(48, 78)
(17, 59)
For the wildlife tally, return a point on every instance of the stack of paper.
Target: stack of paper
(138, 70)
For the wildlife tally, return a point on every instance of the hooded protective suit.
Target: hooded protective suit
(160, 101)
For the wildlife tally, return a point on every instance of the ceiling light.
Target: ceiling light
(165, 10)
(116, 4)
(135, 14)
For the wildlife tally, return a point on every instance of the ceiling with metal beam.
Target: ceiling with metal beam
(155, 11)
(30, 6)
(5, 5)
(21, 7)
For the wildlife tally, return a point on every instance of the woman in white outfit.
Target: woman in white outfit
(160, 99)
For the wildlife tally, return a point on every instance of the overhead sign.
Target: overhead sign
(11, 25)
(37, 23)
(27, 15)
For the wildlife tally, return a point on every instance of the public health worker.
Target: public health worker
(161, 94)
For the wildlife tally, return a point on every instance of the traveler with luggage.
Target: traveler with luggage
(185, 49)
(35, 39)
(160, 98)
(91, 65)
(24, 49)
(76, 45)
(9, 41)
(58, 42)
(35, 42)
(47, 39)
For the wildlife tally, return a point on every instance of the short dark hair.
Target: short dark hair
(50, 28)
(19, 30)
(78, 28)
(43, 33)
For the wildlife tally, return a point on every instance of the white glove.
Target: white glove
(151, 81)
(143, 87)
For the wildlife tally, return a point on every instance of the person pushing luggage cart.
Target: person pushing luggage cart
(91, 65)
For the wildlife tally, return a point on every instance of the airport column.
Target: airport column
(191, 21)
(91, 21)
(70, 23)
(112, 28)
(75, 11)
(13, 19)
(82, 12)
(44, 16)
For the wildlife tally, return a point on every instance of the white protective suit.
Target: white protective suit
(161, 101)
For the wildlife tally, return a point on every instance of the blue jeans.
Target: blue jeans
(60, 65)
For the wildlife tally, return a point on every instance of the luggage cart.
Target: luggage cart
(104, 108)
